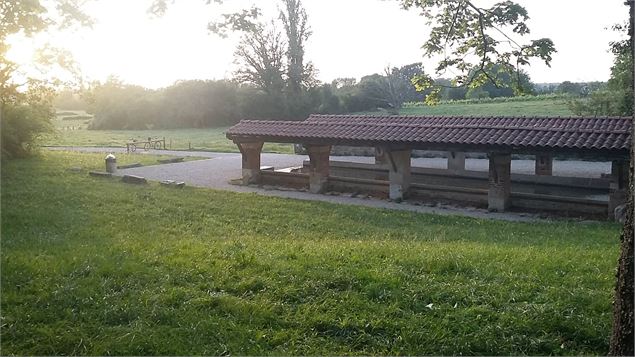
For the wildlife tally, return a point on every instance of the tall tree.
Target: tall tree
(260, 54)
(295, 21)
(623, 334)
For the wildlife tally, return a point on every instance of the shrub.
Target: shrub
(22, 124)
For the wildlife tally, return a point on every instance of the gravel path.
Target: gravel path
(560, 168)
(220, 168)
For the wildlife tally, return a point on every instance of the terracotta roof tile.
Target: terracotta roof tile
(588, 133)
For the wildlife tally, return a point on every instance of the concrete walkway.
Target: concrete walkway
(220, 168)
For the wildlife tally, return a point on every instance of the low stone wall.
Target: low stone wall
(476, 179)
(438, 193)
(564, 196)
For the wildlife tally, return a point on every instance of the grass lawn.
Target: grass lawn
(213, 139)
(210, 139)
(549, 107)
(95, 266)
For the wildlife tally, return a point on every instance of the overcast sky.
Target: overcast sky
(351, 38)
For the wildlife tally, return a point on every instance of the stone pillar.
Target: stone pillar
(456, 161)
(544, 165)
(498, 197)
(319, 170)
(618, 187)
(251, 161)
(398, 174)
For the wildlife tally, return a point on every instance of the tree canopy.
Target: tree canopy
(26, 104)
(478, 44)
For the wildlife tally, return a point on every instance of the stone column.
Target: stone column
(398, 174)
(544, 165)
(319, 170)
(456, 161)
(498, 197)
(251, 161)
(618, 187)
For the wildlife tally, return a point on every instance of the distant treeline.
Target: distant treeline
(208, 103)
(201, 104)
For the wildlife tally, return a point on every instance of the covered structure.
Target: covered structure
(394, 137)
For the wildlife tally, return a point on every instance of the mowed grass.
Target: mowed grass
(210, 139)
(548, 107)
(98, 267)
(213, 139)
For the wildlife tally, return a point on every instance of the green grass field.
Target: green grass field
(214, 139)
(97, 267)
(211, 139)
(557, 107)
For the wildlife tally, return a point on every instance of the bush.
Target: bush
(22, 124)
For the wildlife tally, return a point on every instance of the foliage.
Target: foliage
(204, 272)
(24, 120)
(469, 39)
(477, 93)
(273, 64)
(296, 27)
(617, 97)
(69, 99)
(261, 56)
(203, 104)
(26, 106)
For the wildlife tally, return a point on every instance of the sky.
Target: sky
(351, 38)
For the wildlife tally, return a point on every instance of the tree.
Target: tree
(261, 56)
(616, 97)
(26, 106)
(295, 21)
(568, 87)
(623, 334)
(473, 43)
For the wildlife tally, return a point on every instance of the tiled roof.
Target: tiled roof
(551, 133)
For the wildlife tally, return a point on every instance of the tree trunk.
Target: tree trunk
(623, 338)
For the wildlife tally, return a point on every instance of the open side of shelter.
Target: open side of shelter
(394, 138)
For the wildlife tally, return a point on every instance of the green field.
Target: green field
(557, 107)
(97, 267)
(214, 139)
(211, 139)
